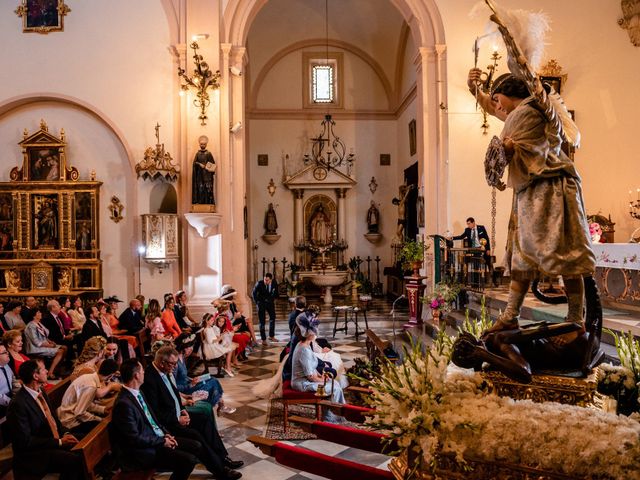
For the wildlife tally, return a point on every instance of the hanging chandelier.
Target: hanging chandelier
(327, 150)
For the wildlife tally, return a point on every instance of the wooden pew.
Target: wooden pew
(94, 447)
(375, 346)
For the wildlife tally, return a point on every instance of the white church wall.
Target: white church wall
(603, 73)
(112, 57)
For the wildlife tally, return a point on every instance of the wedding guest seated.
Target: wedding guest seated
(90, 358)
(122, 331)
(217, 341)
(37, 342)
(93, 326)
(65, 304)
(168, 318)
(140, 442)
(243, 322)
(52, 319)
(12, 339)
(111, 351)
(164, 399)
(205, 383)
(241, 339)
(6, 381)
(40, 443)
(305, 377)
(31, 306)
(76, 312)
(3, 324)
(131, 319)
(181, 311)
(85, 402)
(153, 321)
(12, 316)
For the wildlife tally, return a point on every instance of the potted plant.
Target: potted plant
(441, 299)
(412, 255)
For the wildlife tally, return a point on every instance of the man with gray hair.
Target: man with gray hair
(53, 322)
(164, 399)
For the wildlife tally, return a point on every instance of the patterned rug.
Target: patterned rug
(275, 421)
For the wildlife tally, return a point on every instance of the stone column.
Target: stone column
(341, 232)
(298, 222)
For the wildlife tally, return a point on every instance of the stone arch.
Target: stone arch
(10, 104)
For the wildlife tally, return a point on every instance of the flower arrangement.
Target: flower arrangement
(442, 297)
(622, 382)
(431, 409)
(596, 232)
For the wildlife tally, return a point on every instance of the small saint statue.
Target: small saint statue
(373, 218)
(320, 227)
(204, 175)
(270, 221)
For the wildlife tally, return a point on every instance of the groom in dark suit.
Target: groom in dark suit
(40, 444)
(139, 440)
(264, 294)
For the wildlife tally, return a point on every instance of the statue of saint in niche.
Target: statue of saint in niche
(270, 221)
(204, 175)
(373, 218)
(47, 224)
(320, 230)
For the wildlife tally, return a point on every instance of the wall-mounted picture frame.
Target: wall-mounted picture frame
(263, 160)
(385, 159)
(46, 227)
(44, 163)
(413, 145)
(42, 16)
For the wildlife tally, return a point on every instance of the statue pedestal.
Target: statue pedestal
(206, 224)
(415, 289)
(203, 208)
(373, 237)
(271, 238)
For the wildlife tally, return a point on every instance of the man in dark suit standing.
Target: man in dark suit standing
(40, 444)
(131, 319)
(264, 294)
(139, 440)
(473, 235)
(164, 399)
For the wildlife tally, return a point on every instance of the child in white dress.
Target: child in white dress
(217, 341)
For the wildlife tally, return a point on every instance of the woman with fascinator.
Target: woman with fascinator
(186, 385)
(305, 376)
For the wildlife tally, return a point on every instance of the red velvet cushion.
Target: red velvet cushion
(289, 393)
(350, 437)
(326, 466)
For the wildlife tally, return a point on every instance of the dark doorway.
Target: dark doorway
(411, 211)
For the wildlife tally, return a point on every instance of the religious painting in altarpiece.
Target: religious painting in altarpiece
(49, 224)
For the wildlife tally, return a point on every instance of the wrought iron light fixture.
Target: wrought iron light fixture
(201, 81)
(327, 150)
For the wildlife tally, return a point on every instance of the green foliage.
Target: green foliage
(479, 325)
(443, 296)
(412, 251)
(628, 348)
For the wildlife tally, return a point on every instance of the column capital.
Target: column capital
(298, 193)
(226, 48)
(341, 192)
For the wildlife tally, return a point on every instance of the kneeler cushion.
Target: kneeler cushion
(326, 466)
(351, 437)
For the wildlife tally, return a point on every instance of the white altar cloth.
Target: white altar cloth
(617, 255)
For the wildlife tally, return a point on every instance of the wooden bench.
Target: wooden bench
(375, 346)
(94, 447)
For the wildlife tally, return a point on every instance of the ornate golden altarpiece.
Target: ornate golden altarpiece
(49, 224)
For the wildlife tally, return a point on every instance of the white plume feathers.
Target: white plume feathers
(529, 30)
(570, 128)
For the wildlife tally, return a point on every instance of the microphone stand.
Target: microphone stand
(393, 315)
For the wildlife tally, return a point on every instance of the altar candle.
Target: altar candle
(638, 190)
